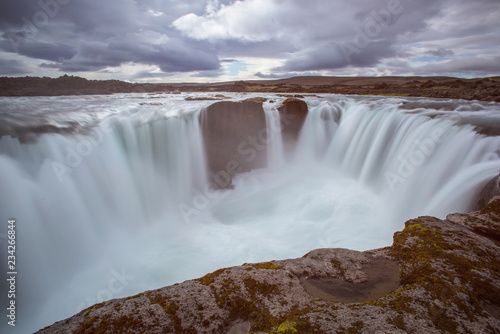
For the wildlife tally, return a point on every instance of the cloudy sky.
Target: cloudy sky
(222, 40)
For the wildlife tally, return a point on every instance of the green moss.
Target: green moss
(441, 320)
(355, 328)
(398, 321)
(417, 258)
(85, 312)
(228, 297)
(159, 299)
(266, 265)
(422, 260)
(492, 208)
(240, 309)
(338, 265)
(125, 323)
(255, 287)
(134, 296)
(287, 327)
(86, 325)
(210, 278)
(98, 306)
(298, 320)
(171, 308)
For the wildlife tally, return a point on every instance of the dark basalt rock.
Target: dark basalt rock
(235, 137)
(439, 276)
(490, 190)
(293, 113)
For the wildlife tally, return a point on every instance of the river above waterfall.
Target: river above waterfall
(112, 194)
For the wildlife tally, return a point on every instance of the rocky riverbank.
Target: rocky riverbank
(485, 89)
(439, 276)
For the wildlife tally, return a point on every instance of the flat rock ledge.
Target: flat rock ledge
(439, 276)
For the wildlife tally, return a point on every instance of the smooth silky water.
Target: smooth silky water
(111, 194)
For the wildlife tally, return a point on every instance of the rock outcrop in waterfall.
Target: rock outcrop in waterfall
(236, 135)
(231, 136)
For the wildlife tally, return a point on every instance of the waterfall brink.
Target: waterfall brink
(320, 126)
(118, 190)
(275, 153)
(423, 165)
(77, 197)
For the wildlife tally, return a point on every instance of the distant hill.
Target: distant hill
(486, 89)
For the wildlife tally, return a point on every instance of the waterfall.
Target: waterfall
(422, 165)
(107, 194)
(76, 197)
(320, 126)
(275, 153)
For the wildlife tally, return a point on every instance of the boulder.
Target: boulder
(293, 113)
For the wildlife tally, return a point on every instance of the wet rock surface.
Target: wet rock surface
(234, 136)
(380, 277)
(293, 113)
(448, 281)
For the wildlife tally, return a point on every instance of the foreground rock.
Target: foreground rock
(439, 276)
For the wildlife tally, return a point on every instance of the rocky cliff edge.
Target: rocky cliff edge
(439, 276)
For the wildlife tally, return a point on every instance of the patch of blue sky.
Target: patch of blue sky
(236, 67)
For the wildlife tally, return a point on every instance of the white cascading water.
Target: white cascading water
(275, 153)
(100, 210)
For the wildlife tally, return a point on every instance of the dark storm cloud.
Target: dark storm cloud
(11, 67)
(334, 56)
(441, 53)
(100, 34)
(322, 35)
(47, 51)
(174, 57)
(372, 35)
(13, 11)
(297, 36)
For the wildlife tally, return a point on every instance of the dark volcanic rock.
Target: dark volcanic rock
(235, 136)
(439, 276)
(490, 190)
(293, 113)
